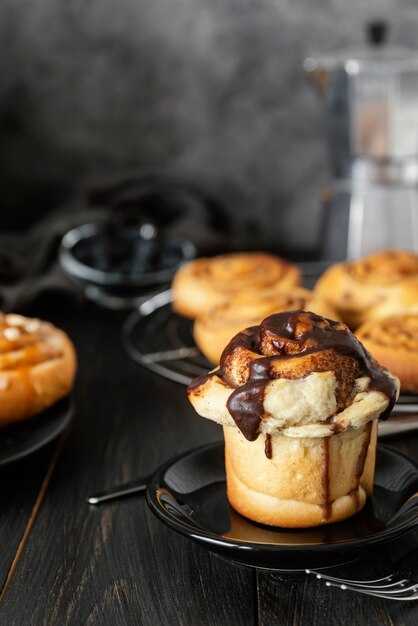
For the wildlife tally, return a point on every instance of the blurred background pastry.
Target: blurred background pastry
(37, 366)
(400, 298)
(353, 288)
(214, 328)
(393, 341)
(298, 398)
(208, 282)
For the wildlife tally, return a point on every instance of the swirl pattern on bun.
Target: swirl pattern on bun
(353, 288)
(205, 283)
(37, 366)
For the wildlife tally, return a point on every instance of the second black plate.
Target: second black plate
(19, 440)
(189, 494)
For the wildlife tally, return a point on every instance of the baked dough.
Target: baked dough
(355, 288)
(393, 341)
(37, 366)
(400, 298)
(215, 328)
(307, 482)
(298, 397)
(205, 283)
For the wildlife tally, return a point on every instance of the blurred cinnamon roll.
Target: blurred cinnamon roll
(354, 288)
(214, 328)
(297, 397)
(400, 298)
(393, 341)
(208, 282)
(37, 366)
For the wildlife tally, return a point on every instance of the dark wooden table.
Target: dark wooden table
(64, 562)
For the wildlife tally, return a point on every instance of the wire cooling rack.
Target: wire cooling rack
(162, 341)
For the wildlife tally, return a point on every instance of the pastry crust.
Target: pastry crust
(37, 366)
(393, 341)
(208, 282)
(354, 288)
(308, 482)
(215, 328)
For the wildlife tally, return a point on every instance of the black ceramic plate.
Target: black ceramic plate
(23, 438)
(188, 493)
(118, 263)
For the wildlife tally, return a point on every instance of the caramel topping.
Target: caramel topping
(24, 343)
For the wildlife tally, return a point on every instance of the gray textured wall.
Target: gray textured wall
(208, 87)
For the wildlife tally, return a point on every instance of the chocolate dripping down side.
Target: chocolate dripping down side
(246, 403)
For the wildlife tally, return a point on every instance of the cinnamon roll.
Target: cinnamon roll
(213, 329)
(354, 288)
(207, 282)
(400, 298)
(393, 341)
(298, 397)
(37, 366)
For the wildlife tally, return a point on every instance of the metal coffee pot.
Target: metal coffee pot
(371, 98)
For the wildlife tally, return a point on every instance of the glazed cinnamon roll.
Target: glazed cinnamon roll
(213, 329)
(207, 282)
(393, 341)
(37, 366)
(298, 397)
(354, 288)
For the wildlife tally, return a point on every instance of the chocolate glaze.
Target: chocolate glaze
(291, 335)
(354, 493)
(267, 447)
(363, 453)
(200, 380)
(246, 406)
(326, 504)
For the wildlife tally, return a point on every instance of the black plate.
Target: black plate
(23, 438)
(189, 494)
(118, 264)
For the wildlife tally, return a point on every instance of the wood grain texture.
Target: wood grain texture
(20, 484)
(117, 564)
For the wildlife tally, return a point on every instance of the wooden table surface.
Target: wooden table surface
(64, 562)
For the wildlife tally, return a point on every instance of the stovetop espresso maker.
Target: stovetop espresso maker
(371, 96)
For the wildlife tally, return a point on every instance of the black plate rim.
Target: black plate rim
(87, 274)
(210, 538)
(53, 434)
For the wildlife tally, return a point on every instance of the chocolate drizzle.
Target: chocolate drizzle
(326, 504)
(267, 447)
(363, 453)
(246, 406)
(285, 336)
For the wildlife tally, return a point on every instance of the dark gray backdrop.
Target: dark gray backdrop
(210, 88)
